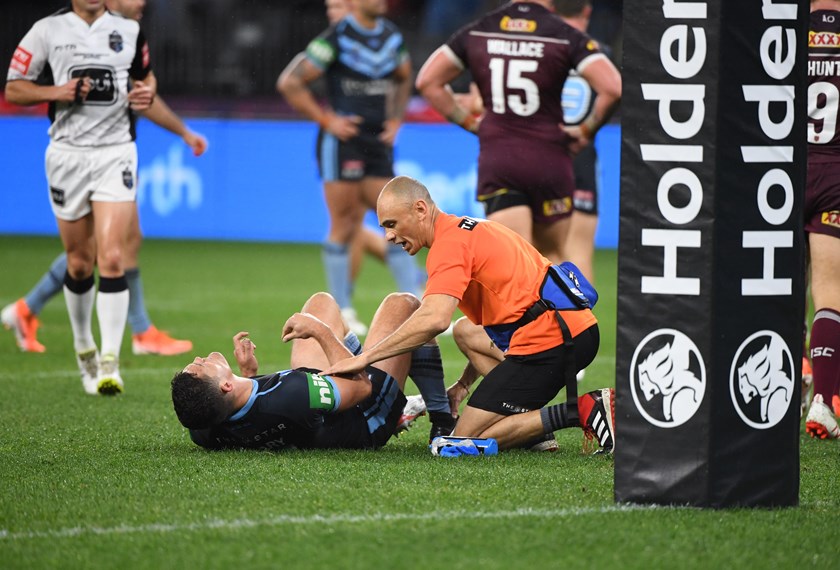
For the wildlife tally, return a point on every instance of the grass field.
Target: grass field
(89, 482)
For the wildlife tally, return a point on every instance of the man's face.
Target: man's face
(401, 223)
(336, 10)
(372, 8)
(213, 368)
(131, 9)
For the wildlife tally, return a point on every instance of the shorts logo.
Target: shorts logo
(321, 394)
(761, 379)
(128, 178)
(57, 196)
(352, 169)
(467, 224)
(556, 207)
(21, 60)
(831, 218)
(823, 39)
(115, 41)
(509, 24)
(667, 378)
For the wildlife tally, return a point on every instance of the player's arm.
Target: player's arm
(25, 92)
(162, 115)
(397, 103)
(293, 84)
(433, 83)
(432, 318)
(605, 80)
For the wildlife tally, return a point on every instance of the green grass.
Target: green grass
(90, 482)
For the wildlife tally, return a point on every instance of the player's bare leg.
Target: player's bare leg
(579, 247)
(343, 203)
(518, 219)
(307, 352)
(474, 343)
(549, 239)
(392, 312)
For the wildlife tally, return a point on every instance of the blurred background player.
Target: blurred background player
(299, 408)
(22, 316)
(368, 75)
(525, 177)
(91, 162)
(822, 216)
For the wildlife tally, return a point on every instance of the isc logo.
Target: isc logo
(826, 351)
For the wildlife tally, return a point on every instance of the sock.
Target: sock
(825, 353)
(403, 269)
(79, 296)
(336, 258)
(48, 286)
(138, 318)
(427, 373)
(112, 311)
(556, 417)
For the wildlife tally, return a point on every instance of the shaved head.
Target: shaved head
(405, 190)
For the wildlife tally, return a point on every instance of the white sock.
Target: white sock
(112, 311)
(80, 309)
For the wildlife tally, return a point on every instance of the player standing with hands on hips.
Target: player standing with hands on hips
(101, 75)
(520, 56)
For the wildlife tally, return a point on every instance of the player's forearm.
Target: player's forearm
(605, 106)
(443, 100)
(332, 346)
(421, 327)
(162, 115)
(23, 92)
(399, 100)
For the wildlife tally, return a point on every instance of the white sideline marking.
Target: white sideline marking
(293, 520)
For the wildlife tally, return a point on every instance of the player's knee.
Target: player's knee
(402, 301)
(463, 332)
(80, 264)
(110, 260)
(320, 302)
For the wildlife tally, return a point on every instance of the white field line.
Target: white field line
(337, 519)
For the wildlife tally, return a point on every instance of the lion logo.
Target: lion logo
(667, 378)
(761, 381)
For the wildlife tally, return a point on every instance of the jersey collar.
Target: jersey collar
(247, 407)
(363, 30)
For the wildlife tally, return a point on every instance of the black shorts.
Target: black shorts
(371, 423)
(523, 383)
(585, 196)
(364, 156)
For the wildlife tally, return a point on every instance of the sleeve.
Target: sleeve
(142, 64)
(323, 50)
(584, 50)
(456, 46)
(450, 269)
(31, 55)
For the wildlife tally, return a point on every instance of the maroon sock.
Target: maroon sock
(825, 353)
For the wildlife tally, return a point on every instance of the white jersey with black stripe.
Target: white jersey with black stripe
(109, 51)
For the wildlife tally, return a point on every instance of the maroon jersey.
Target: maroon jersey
(824, 86)
(519, 56)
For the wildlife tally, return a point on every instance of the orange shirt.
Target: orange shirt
(496, 276)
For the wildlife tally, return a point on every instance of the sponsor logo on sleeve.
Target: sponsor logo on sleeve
(467, 224)
(21, 60)
(146, 56)
(509, 24)
(321, 395)
(831, 218)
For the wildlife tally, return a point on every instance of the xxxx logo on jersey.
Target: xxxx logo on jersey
(823, 39)
(509, 24)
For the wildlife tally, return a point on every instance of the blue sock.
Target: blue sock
(138, 318)
(50, 285)
(336, 259)
(427, 373)
(403, 268)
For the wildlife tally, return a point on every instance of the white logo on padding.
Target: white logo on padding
(761, 379)
(667, 378)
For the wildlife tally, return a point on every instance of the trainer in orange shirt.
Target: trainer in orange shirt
(494, 276)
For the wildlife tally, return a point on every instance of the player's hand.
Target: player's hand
(196, 142)
(303, 326)
(389, 132)
(141, 96)
(68, 92)
(344, 128)
(243, 350)
(456, 393)
(577, 140)
(346, 366)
